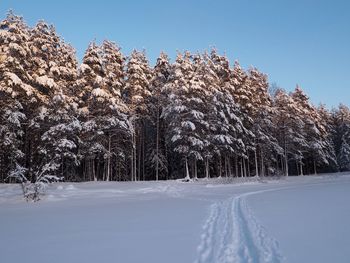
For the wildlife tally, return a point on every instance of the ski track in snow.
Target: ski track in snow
(232, 234)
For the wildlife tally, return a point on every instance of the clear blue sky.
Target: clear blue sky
(301, 41)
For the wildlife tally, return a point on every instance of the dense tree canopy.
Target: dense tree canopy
(117, 118)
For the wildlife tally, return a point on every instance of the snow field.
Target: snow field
(298, 219)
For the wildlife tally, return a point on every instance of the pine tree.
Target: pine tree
(11, 133)
(90, 78)
(289, 126)
(326, 122)
(157, 151)
(17, 95)
(314, 145)
(341, 136)
(60, 142)
(344, 153)
(137, 94)
(241, 89)
(54, 74)
(225, 118)
(183, 113)
(106, 128)
(228, 129)
(261, 110)
(117, 125)
(242, 94)
(118, 119)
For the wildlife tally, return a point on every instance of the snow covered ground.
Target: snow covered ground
(299, 219)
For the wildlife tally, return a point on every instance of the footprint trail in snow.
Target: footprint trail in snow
(231, 234)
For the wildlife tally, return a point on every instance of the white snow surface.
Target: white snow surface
(295, 219)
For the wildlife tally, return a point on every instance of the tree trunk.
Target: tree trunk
(109, 158)
(132, 157)
(256, 163)
(195, 169)
(117, 178)
(236, 165)
(93, 170)
(244, 168)
(301, 168)
(315, 167)
(248, 166)
(135, 158)
(132, 164)
(229, 167)
(157, 145)
(262, 163)
(207, 167)
(143, 152)
(62, 166)
(30, 161)
(241, 168)
(286, 160)
(139, 155)
(186, 169)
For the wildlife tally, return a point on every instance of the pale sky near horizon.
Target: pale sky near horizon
(305, 42)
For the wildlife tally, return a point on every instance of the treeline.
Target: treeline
(116, 118)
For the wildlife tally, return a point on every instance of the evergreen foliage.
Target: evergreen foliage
(117, 118)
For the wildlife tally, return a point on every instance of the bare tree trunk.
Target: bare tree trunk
(236, 165)
(117, 170)
(103, 170)
(87, 170)
(195, 169)
(256, 163)
(84, 169)
(1, 169)
(30, 162)
(91, 176)
(297, 166)
(301, 167)
(229, 167)
(93, 170)
(135, 157)
(262, 163)
(139, 156)
(248, 166)
(241, 168)
(143, 152)
(116, 175)
(244, 168)
(186, 169)
(286, 160)
(157, 145)
(109, 159)
(207, 167)
(132, 159)
(233, 166)
(62, 166)
(315, 167)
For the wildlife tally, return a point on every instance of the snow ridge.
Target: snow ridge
(232, 234)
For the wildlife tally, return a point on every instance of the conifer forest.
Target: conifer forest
(113, 117)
